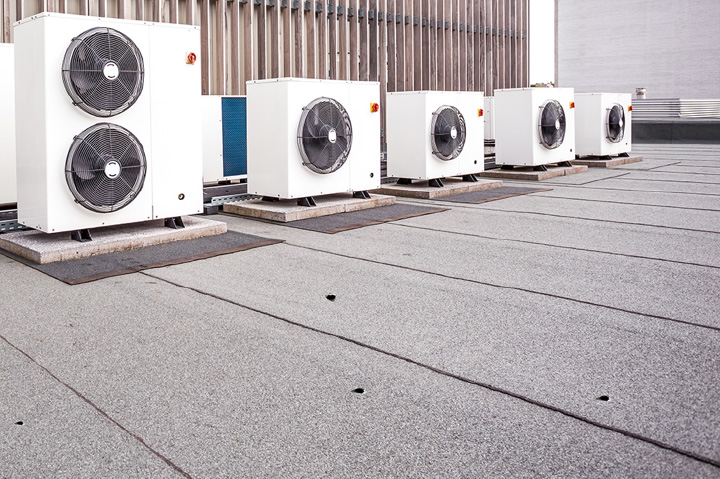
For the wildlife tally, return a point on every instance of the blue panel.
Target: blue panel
(234, 133)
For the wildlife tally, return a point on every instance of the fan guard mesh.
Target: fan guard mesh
(447, 132)
(105, 168)
(615, 123)
(103, 72)
(324, 135)
(551, 124)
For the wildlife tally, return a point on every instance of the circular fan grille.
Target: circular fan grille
(105, 168)
(615, 123)
(551, 124)
(447, 132)
(103, 72)
(324, 135)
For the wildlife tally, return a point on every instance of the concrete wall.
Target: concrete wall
(670, 47)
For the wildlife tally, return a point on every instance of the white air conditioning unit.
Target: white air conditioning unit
(109, 128)
(603, 121)
(312, 137)
(433, 135)
(534, 126)
(224, 138)
(8, 191)
(490, 118)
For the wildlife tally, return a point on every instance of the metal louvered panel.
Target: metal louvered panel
(234, 135)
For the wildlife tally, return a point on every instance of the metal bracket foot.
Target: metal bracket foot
(565, 163)
(175, 223)
(540, 168)
(624, 155)
(507, 167)
(270, 198)
(308, 201)
(436, 183)
(404, 181)
(471, 178)
(83, 236)
(361, 194)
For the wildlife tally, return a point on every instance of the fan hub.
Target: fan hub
(112, 169)
(332, 135)
(557, 124)
(453, 132)
(111, 70)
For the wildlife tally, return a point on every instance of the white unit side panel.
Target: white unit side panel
(590, 119)
(274, 163)
(515, 127)
(517, 141)
(268, 148)
(408, 130)
(8, 189)
(212, 138)
(489, 118)
(364, 159)
(175, 90)
(48, 122)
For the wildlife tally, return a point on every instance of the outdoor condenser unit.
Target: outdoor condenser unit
(312, 137)
(224, 138)
(534, 126)
(8, 191)
(433, 135)
(109, 129)
(490, 118)
(603, 122)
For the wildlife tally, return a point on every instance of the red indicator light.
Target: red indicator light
(572, 104)
(374, 107)
(480, 112)
(630, 108)
(191, 59)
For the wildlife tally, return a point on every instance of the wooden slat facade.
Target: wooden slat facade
(475, 45)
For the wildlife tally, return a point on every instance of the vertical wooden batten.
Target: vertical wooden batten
(310, 43)
(220, 27)
(373, 40)
(205, 45)
(362, 24)
(332, 40)
(273, 12)
(322, 56)
(342, 41)
(234, 32)
(261, 39)
(286, 37)
(352, 16)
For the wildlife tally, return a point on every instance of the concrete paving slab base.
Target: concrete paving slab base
(599, 162)
(453, 186)
(43, 248)
(527, 173)
(285, 211)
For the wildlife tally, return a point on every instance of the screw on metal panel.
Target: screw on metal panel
(330, 297)
(603, 398)
(358, 391)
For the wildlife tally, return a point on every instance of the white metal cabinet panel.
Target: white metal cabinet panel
(8, 189)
